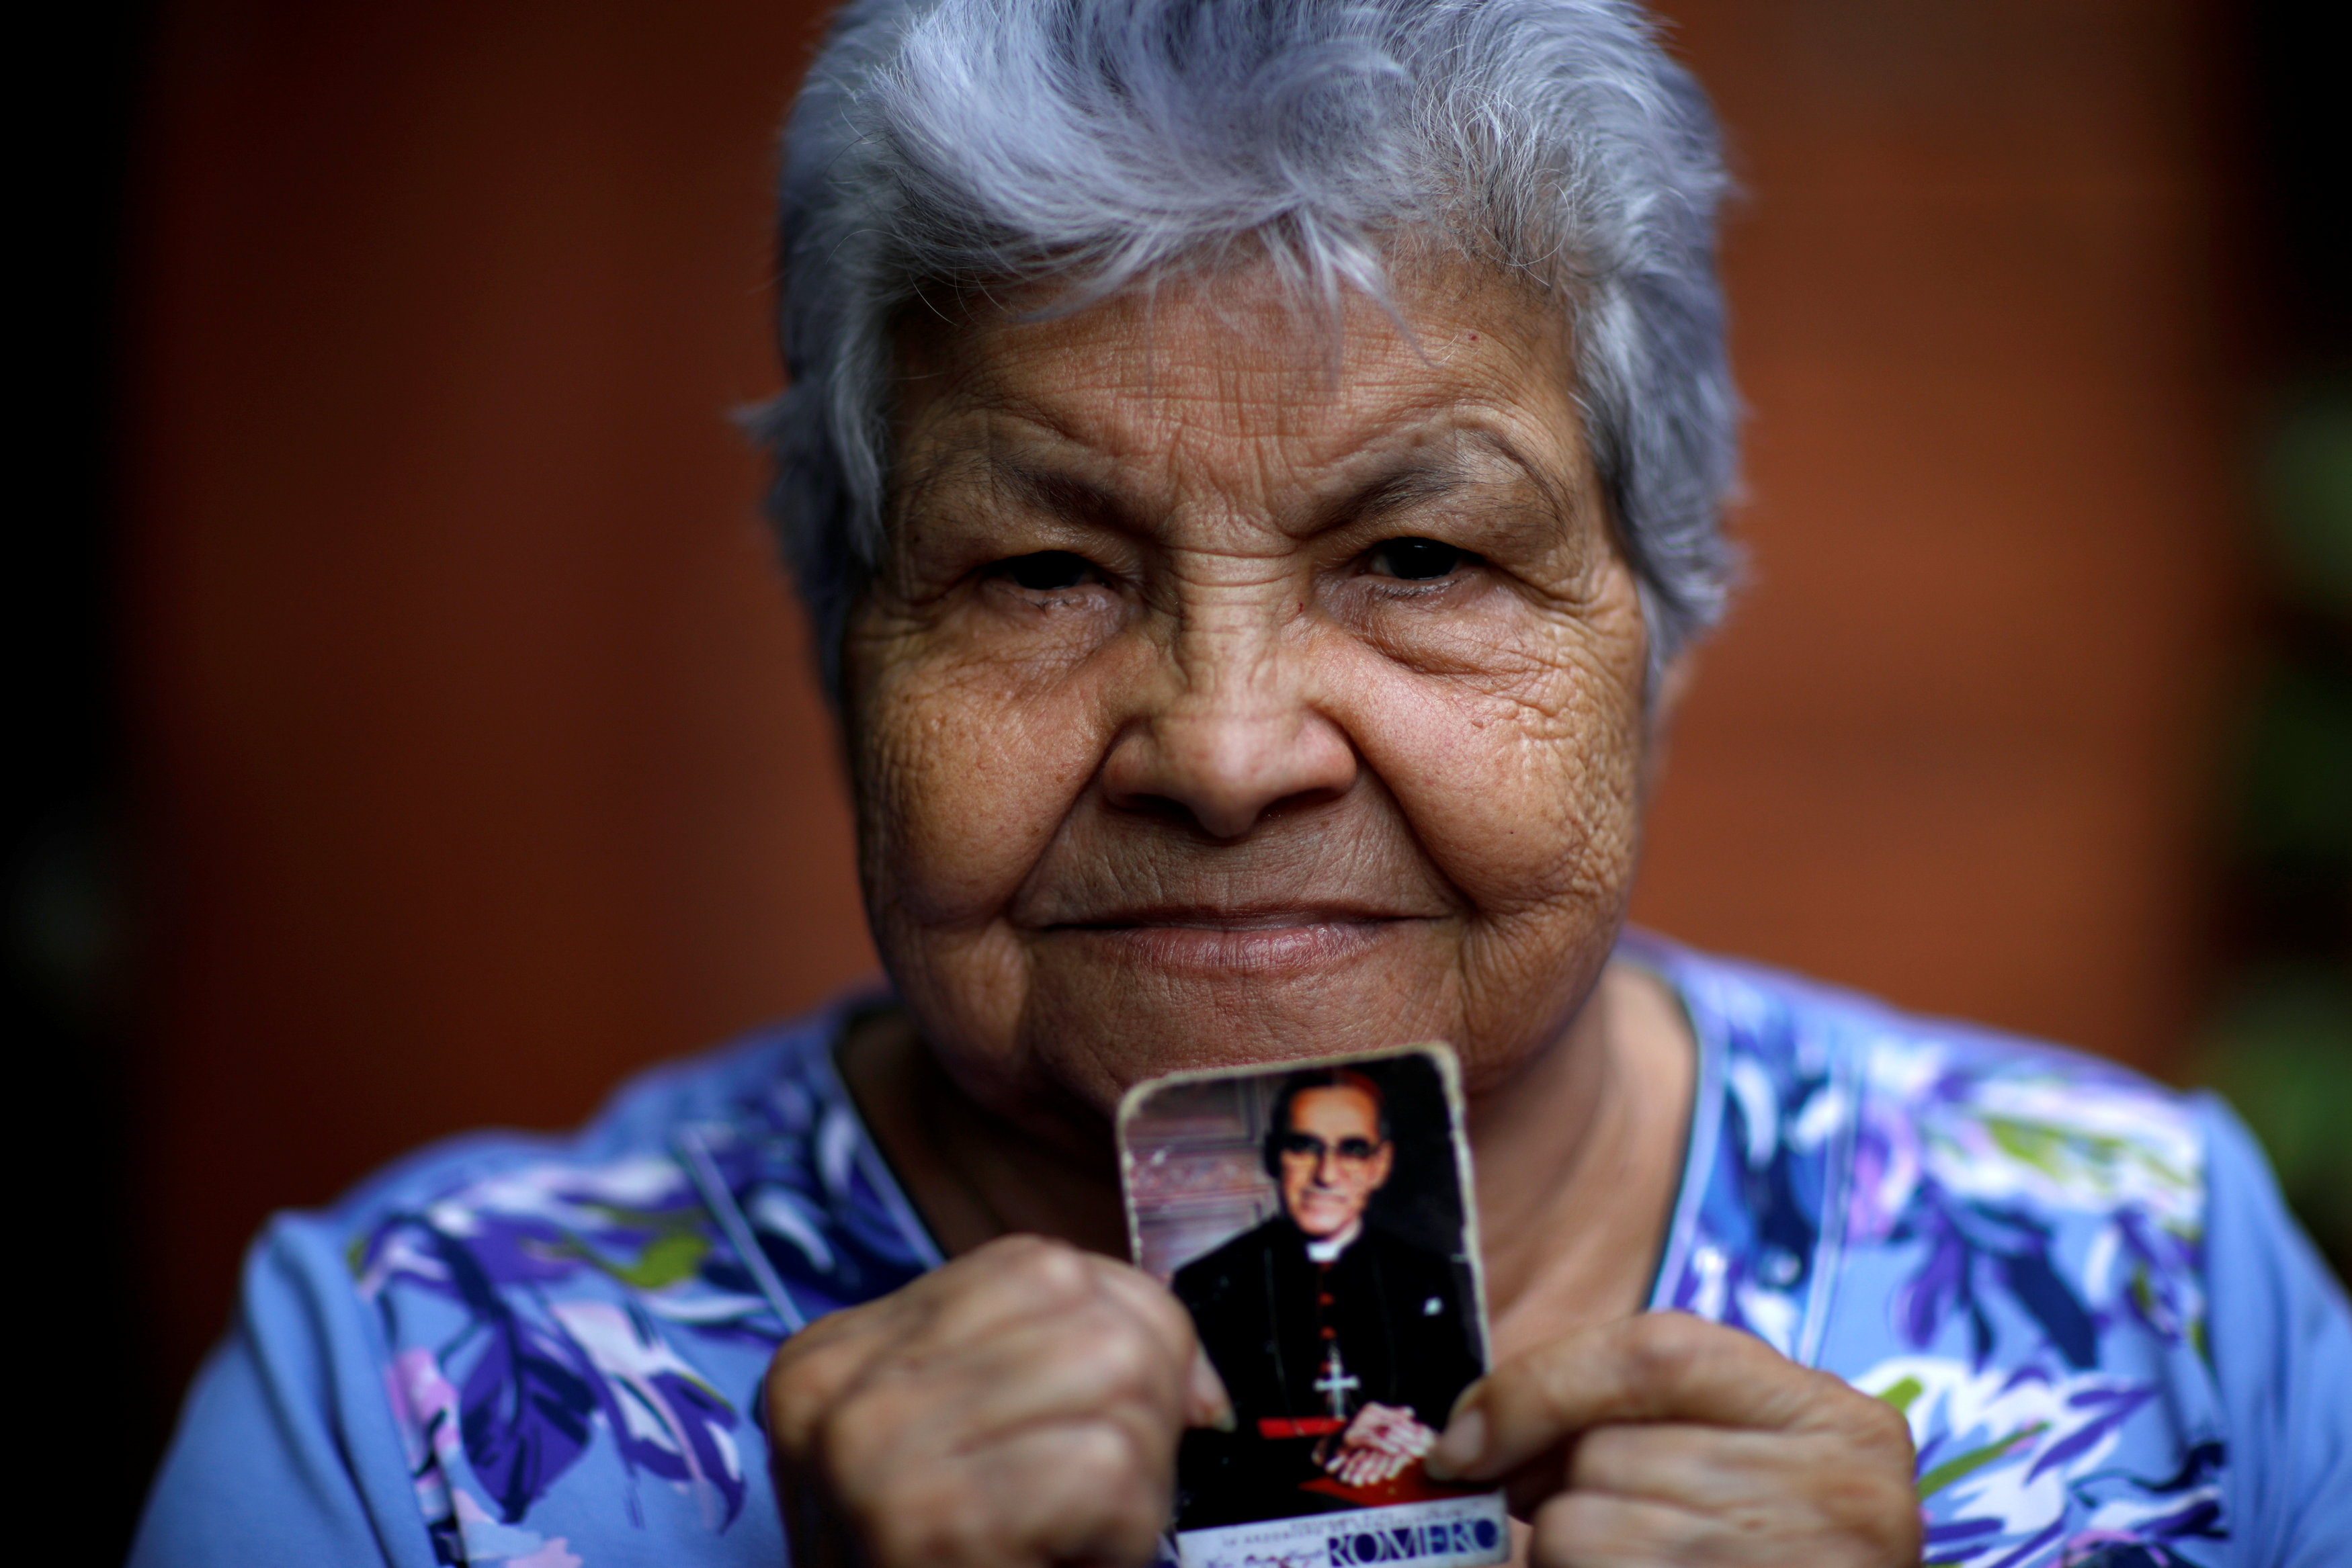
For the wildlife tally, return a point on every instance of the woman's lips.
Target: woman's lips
(1236, 942)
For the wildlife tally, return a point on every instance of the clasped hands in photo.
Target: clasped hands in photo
(1022, 1405)
(1376, 1446)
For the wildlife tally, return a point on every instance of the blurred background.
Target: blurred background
(417, 736)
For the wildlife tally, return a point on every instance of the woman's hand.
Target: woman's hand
(1667, 1439)
(1020, 1406)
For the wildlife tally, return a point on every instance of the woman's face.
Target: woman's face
(1235, 690)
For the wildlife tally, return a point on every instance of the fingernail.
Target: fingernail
(1465, 1441)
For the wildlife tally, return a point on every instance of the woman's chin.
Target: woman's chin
(1109, 1009)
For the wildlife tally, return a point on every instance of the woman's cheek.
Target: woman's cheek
(1511, 764)
(968, 775)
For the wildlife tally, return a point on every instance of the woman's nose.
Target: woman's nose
(1223, 750)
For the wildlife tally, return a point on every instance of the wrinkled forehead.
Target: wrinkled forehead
(1240, 353)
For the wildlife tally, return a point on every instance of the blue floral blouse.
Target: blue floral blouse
(2111, 1342)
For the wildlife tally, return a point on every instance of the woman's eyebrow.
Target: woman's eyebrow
(1399, 490)
(1425, 475)
(1065, 495)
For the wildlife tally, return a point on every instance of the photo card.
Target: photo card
(1316, 1220)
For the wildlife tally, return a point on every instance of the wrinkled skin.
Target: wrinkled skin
(1240, 792)
(1663, 1439)
(1237, 690)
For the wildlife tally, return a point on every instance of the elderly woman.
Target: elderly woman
(1254, 466)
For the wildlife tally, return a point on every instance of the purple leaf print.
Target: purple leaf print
(514, 1252)
(1960, 1530)
(2033, 1547)
(1940, 1286)
(525, 1412)
(2039, 1289)
(2119, 1404)
(702, 1418)
(2203, 1464)
(1960, 1236)
(665, 1418)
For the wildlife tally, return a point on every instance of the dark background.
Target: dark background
(415, 737)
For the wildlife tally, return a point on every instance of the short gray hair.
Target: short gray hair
(953, 144)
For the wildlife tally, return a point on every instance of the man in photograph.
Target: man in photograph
(1342, 1344)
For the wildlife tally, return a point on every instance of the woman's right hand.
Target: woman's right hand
(1020, 1406)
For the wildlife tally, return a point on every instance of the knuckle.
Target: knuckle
(1101, 1460)
(1875, 1428)
(1053, 1272)
(801, 1392)
(1890, 1430)
(1118, 1357)
(1874, 1505)
(1663, 1345)
(799, 1371)
(1157, 1309)
(867, 1435)
(1602, 1456)
(841, 1437)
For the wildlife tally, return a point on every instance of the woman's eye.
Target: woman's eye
(1418, 560)
(1048, 571)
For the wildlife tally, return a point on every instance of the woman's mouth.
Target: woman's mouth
(1228, 942)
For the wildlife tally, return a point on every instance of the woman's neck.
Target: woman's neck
(971, 1176)
(1577, 1158)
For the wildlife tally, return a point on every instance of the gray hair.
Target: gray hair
(953, 144)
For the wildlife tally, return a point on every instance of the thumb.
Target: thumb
(1206, 1403)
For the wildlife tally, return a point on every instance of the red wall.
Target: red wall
(1953, 746)
(479, 759)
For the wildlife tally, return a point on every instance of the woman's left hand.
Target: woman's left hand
(1667, 1439)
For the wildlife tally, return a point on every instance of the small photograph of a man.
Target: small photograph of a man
(1312, 1220)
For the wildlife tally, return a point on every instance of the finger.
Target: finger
(1206, 1402)
(1150, 1301)
(1070, 1492)
(1594, 1530)
(1088, 1493)
(1699, 1467)
(1095, 1359)
(1822, 1487)
(1661, 1366)
(1012, 1281)
(812, 1368)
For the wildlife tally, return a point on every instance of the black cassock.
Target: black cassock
(1271, 1319)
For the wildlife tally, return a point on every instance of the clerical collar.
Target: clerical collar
(1327, 1249)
